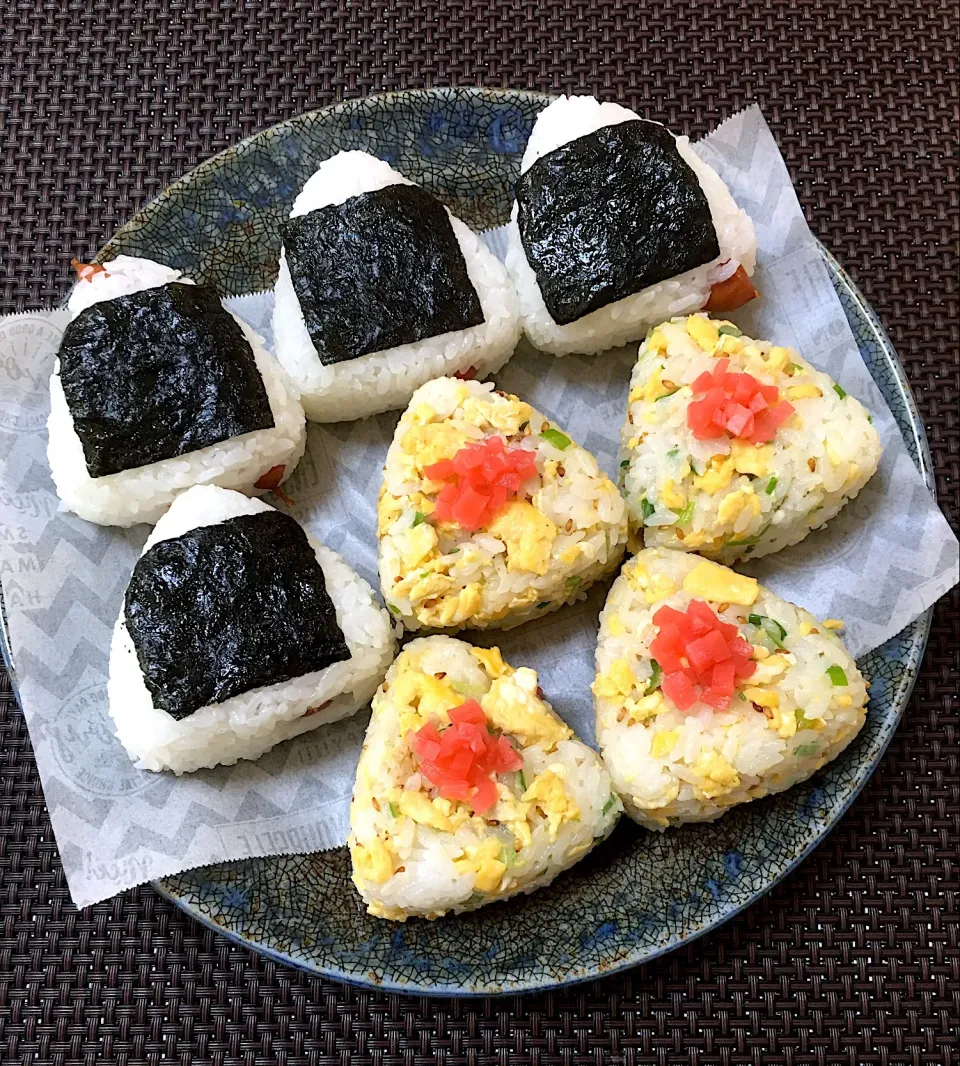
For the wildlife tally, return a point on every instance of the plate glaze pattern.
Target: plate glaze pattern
(638, 895)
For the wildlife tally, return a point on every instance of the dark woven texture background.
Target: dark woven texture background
(854, 959)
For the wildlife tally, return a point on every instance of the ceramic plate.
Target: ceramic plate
(640, 894)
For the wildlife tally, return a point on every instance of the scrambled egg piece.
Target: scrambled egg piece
(430, 443)
(716, 476)
(617, 681)
(751, 458)
(652, 389)
(421, 586)
(505, 413)
(512, 705)
(423, 693)
(703, 331)
(659, 587)
(548, 793)
(771, 667)
(656, 342)
(389, 509)
(485, 862)
(803, 392)
(645, 708)
(736, 502)
(615, 627)
(454, 609)
(711, 581)
(784, 722)
(492, 661)
(730, 345)
(418, 806)
(762, 697)
(777, 358)
(528, 535)
(373, 861)
(416, 544)
(662, 743)
(671, 496)
(717, 775)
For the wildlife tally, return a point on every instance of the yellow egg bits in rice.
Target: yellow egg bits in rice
(419, 850)
(730, 497)
(561, 530)
(801, 705)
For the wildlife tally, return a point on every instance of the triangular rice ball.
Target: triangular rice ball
(470, 788)
(490, 515)
(736, 448)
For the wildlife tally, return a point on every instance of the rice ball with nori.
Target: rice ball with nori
(470, 788)
(238, 631)
(618, 224)
(490, 515)
(736, 448)
(157, 387)
(381, 289)
(712, 691)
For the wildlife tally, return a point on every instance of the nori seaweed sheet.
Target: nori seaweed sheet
(608, 214)
(381, 269)
(156, 374)
(228, 608)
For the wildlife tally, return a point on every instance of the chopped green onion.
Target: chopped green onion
(729, 330)
(836, 675)
(556, 438)
(572, 582)
(453, 551)
(609, 805)
(771, 485)
(802, 721)
(755, 539)
(508, 856)
(545, 603)
(685, 514)
(653, 682)
(806, 750)
(624, 463)
(646, 508)
(666, 394)
(394, 809)
(418, 519)
(741, 695)
(771, 627)
(523, 781)
(870, 419)
(673, 453)
(393, 608)
(794, 366)
(842, 393)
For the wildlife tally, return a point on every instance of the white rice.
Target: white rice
(820, 458)
(563, 121)
(450, 578)
(672, 767)
(143, 493)
(246, 726)
(385, 380)
(403, 865)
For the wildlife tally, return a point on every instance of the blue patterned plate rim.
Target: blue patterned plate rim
(623, 952)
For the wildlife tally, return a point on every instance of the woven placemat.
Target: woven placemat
(854, 959)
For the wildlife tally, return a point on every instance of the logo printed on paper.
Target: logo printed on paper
(27, 343)
(86, 750)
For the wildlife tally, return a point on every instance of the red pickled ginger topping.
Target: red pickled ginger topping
(480, 479)
(702, 658)
(737, 404)
(460, 760)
